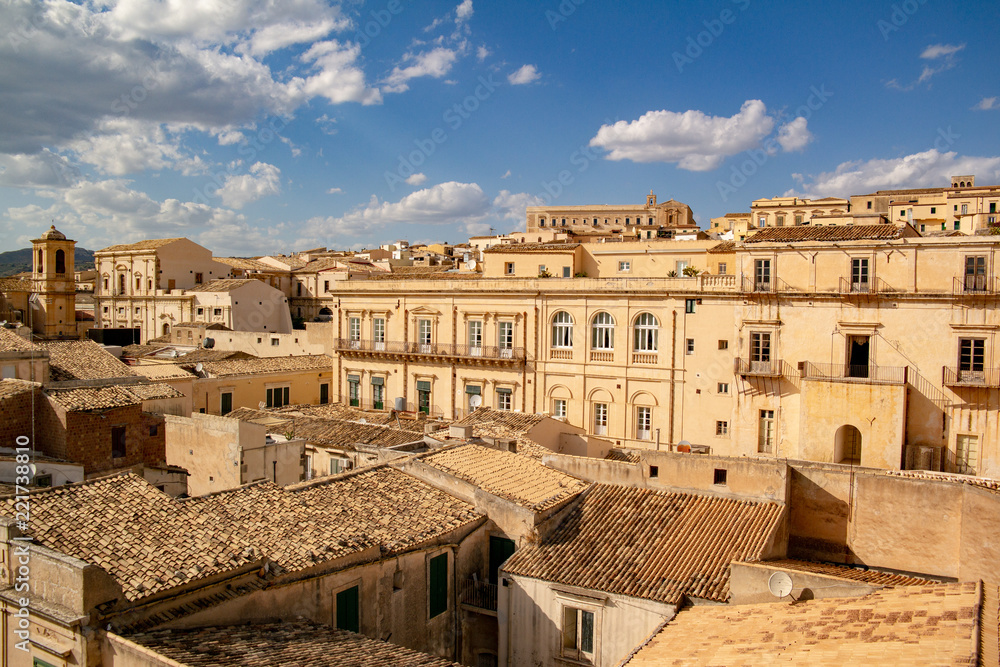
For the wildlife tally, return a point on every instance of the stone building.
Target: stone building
(652, 220)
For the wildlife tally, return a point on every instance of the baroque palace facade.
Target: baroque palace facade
(868, 345)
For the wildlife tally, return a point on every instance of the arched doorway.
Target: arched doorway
(847, 447)
(166, 329)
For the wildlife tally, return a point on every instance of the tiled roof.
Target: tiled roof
(232, 367)
(212, 326)
(347, 413)
(223, 285)
(136, 351)
(434, 274)
(506, 425)
(163, 371)
(829, 233)
(651, 544)
(14, 284)
(11, 342)
(151, 244)
(847, 572)
(899, 626)
(315, 521)
(290, 260)
(246, 264)
(723, 248)
(83, 360)
(114, 396)
(298, 643)
(520, 479)
(532, 247)
(989, 626)
(979, 482)
(338, 433)
(142, 537)
(201, 354)
(10, 387)
(151, 542)
(623, 456)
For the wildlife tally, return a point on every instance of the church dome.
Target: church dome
(53, 234)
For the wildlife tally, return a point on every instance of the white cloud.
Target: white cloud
(511, 206)
(692, 139)
(987, 104)
(482, 53)
(241, 189)
(274, 37)
(435, 63)
(434, 24)
(506, 175)
(920, 170)
(795, 135)
(445, 203)
(416, 179)
(339, 79)
(526, 74)
(935, 51)
(44, 169)
(463, 12)
(121, 146)
(944, 53)
(230, 137)
(334, 191)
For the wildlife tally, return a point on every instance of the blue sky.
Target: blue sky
(257, 127)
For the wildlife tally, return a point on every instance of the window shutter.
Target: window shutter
(438, 588)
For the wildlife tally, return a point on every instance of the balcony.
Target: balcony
(561, 354)
(772, 285)
(602, 356)
(986, 377)
(486, 354)
(480, 595)
(644, 358)
(869, 374)
(849, 286)
(974, 286)
(765, 369)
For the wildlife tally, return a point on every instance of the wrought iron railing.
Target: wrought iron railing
(749, 368)
(865, 374)
(479, 594)
(492, 352)
(974, 284)
(984, 377)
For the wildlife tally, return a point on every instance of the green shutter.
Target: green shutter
(438, 588)
(500, 550)
(227, 403)
(354, 378)
(347, 610)
(423, 385)
(378, 381)
(473, 389)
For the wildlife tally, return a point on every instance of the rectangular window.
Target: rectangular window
(933, 210)
(624, 266)
(275, 342)
(559, 408)
(348, 609)
(354, 329)
(762, 221)
(504, 399)
(578, 634)
(505, 337)
(567, 272)
(779, 220)
(723, 388)
(378, 393)
(424, 396)
(971, 354)
(765, 432)
(760, 347)
(723, 344)
(719, 477)
(966, 454)
(378, 333)
(643, 423)
(198, 278)
(600, 418)
(798, 220)
(424, 335)
(859, 274)
(324, 393)
(217, 312)
(722, 268)
(476, 336)
(508, 268)
(225, 402)
(354, 390)
(277, 397)
(762, 275)
(326, 285)
(542, 270)
(9, 372)
(721, 428)
(965, 209)
(690, 346)
(117, 442)
(437, 588)
(975, 273)
(689, 306)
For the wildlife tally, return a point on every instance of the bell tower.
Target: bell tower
(53, 305)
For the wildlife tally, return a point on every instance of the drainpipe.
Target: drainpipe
(673, 364)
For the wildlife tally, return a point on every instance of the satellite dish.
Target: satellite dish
(472, 264)
(262, 405)
(198, 367)
(475, 401)
(780, 584)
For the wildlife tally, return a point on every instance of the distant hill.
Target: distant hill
(16, 261)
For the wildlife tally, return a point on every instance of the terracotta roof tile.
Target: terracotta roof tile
(150, 244)
(847, 572)
(163, 371)
(15, 284)
(10, 387)
(230, 367)
(114, 396)
(340, 433)
(298, 643)
(246, 264)
(623, 456)
(507, 425)
(651, 544)
(347, 413)
(224, 285)
(829, 233)
(532, 247)
(913, 625)
(83, 360)
(11, 342)
(520, 479)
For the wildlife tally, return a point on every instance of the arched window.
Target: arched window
(562, 330)
(60, 261)
(603, 332)
(647, 331)
(41, 262)
(121, 283)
